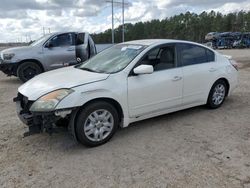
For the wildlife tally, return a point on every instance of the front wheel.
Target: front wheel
(28, 70)
(96, 124)
(217, 94)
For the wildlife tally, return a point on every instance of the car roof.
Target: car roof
(58, 33)
(155, 42)
(150, 42)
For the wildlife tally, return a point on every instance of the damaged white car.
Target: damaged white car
(126, 83)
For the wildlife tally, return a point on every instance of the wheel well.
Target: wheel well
(34, 61)
(110, 101)
(227, 83)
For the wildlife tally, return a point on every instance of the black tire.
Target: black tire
(211, 103)
(83, 119)
(28, 70)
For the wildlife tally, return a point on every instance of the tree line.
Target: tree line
(188, 26)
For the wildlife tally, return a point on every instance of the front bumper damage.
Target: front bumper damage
(39, 122)
(8, 68)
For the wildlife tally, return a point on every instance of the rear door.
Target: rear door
(61, 50)
(82, 53)
(199, 71)
(92, 47)
(85, 47)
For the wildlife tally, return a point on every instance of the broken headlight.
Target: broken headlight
(49, 101)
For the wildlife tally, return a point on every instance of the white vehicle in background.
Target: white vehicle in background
(126, 83)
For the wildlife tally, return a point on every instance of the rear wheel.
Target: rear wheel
(96, 124)
(217, 94)
(28, 70)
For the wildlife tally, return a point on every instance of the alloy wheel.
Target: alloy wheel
(219, 94)
(98, 125)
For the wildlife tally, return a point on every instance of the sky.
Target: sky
(22, 20)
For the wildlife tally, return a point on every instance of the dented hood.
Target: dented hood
(61, 78)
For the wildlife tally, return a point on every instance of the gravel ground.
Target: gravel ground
(191, 148)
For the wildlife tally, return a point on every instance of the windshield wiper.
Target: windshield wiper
(91, 70)
(87, 69)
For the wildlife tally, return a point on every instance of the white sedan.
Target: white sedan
(126, 83)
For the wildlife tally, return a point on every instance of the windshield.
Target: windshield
(41, 39)
(113, 59)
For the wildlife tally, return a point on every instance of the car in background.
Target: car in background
(209, 44)
(211, 36)
(125, 83)
(228, 40)
(50, 52)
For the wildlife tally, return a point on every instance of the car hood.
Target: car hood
(16, 49)
(61, 78)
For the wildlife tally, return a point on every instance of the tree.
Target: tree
(188, 26)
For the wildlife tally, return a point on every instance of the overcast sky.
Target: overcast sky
(21, 18)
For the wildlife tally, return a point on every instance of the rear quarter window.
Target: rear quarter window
(210, 55)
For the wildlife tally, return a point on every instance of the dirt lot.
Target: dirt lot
(192, 148)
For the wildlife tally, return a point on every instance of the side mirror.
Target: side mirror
(48, 45)
(144, 69)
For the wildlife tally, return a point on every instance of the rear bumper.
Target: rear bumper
(8, 68)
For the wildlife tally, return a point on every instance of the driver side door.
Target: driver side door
(159, 91)
(59, 51)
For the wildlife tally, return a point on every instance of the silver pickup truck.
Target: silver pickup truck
(50, 52)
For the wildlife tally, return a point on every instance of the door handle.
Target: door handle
(177, 78)
(212, 69)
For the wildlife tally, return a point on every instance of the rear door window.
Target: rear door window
(80, 38)
(210, 56)
(193, 54)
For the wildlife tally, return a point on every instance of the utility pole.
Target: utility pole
(123, 27)
(113, 34)
(122, 20)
